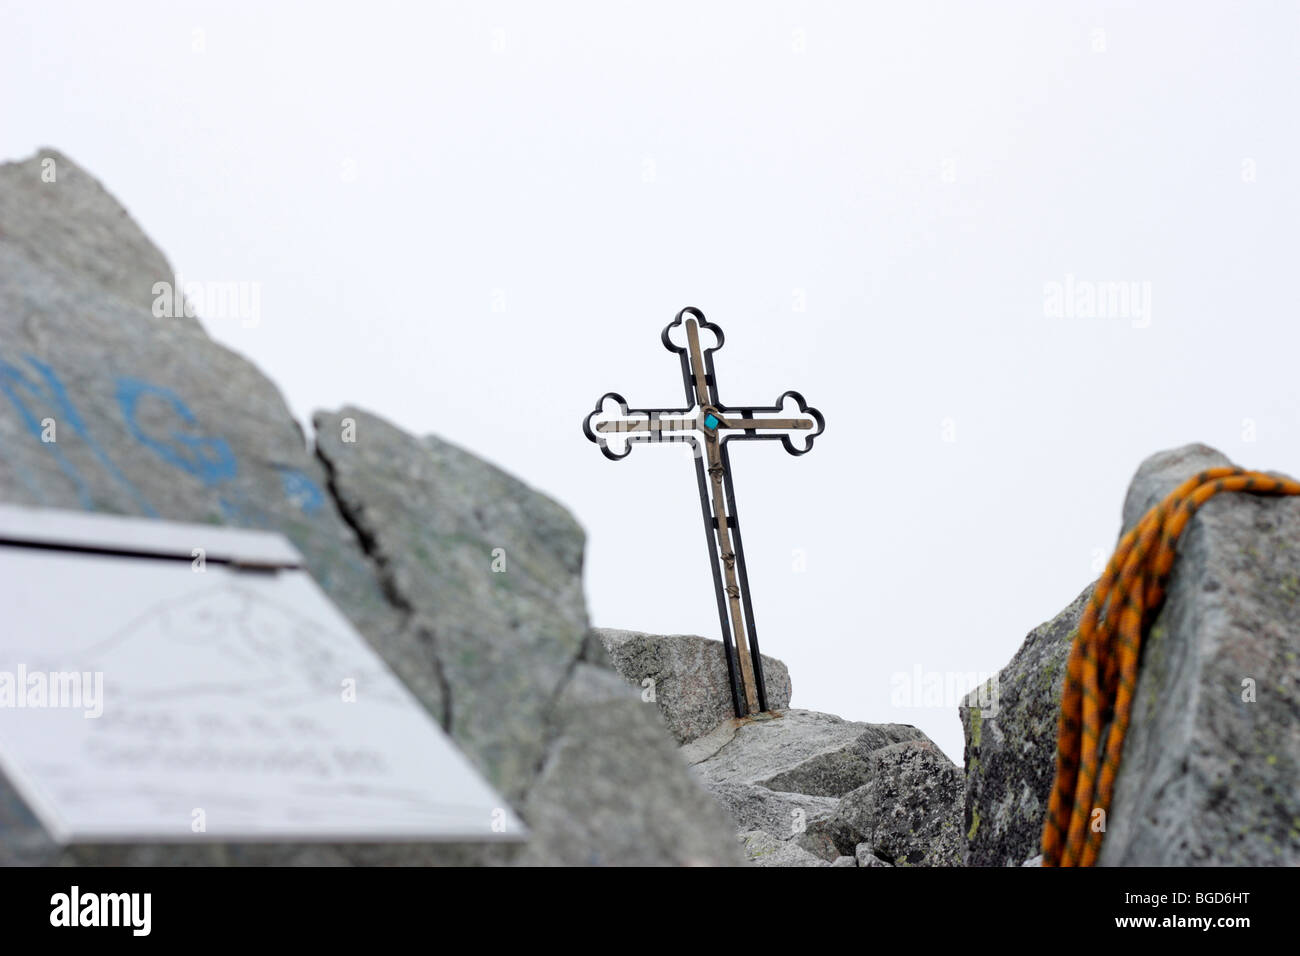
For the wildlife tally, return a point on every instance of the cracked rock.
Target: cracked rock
(909, 812)
(155, 419)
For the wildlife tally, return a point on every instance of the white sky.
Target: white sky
(913, 173)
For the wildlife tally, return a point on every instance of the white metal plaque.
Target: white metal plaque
(152, 692)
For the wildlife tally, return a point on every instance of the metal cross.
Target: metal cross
(708, 425)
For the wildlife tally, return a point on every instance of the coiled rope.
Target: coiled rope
(1102, 672)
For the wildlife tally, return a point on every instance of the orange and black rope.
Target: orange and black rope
(1101, 675)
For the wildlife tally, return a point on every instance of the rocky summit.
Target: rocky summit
(155, 419)
(833, 788)
(616, 747)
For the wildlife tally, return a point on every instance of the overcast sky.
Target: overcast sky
(474, 219)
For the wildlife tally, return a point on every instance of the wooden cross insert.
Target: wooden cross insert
(708, 426)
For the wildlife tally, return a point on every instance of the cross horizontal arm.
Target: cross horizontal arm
(649, 425)
(785, 423)
(691, 424)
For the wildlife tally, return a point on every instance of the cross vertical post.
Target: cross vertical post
(708, 426)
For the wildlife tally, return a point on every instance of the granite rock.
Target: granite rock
(784, 775)
(865, 857)
(802, 751)
(156, 419)
(595, 783)
(688, 677)
(763, 849)
(1011, 748)
(909, 813)
(1210, 773)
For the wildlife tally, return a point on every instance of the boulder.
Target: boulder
(801, 819)
(802, 751)
(151, 417)
(70, 226)
(837, 772)
(491, 572)
(1211, 766)
(1210, 773)
(686, 676)
(466, 581)
(763, 849)
(1011, 748)
(588, 790)
(786, 815)
(910, 811)
(784, 775)
(488, 571)
(864, 857)
(1161, 473)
